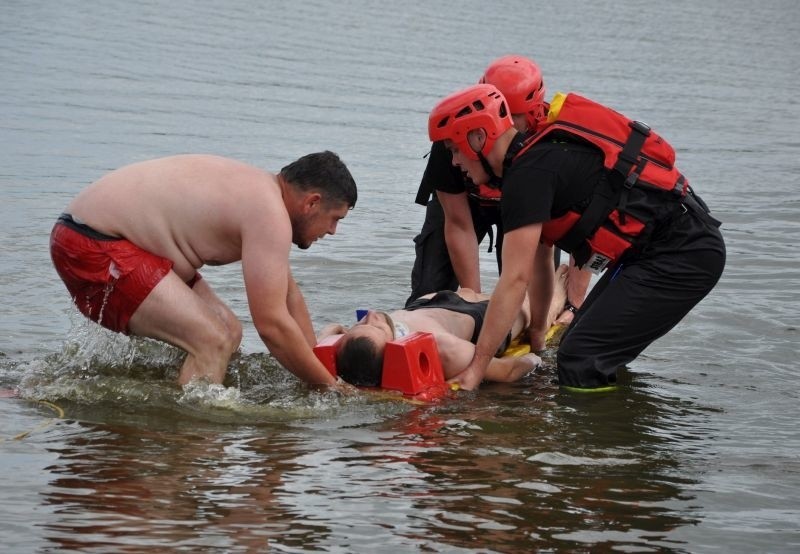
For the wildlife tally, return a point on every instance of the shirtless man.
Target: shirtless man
(454, 318)
(129, 247)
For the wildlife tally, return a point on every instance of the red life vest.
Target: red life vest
(484, 194)
(634, 156)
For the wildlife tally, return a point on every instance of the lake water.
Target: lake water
(699, 451)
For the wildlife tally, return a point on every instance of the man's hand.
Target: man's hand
(331, 329)
(565, 317)
(469, 379)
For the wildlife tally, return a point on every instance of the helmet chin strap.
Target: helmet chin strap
(516, 145)
(494, 180)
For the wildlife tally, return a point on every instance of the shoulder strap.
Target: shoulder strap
(629, 156)
(604, 200)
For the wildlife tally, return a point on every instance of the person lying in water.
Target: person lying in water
(454, 318)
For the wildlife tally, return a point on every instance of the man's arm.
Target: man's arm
(459, 234)
(519, 250)
(276, 303)
(299, 311)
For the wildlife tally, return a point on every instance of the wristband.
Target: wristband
(569, 307)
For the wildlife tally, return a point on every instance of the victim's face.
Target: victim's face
(376, 327)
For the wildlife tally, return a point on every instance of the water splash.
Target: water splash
(113, 271)
(103, 375)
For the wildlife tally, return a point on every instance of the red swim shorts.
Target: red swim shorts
(108, 277)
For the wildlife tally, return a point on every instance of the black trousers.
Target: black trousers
(641, 299)
(432, 269)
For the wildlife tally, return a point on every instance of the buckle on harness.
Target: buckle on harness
(631, 152)
(640, 127)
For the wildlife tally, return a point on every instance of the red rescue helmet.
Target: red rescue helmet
(519, 79)
(475, 107)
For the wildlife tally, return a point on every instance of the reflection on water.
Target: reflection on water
(268, 462)
(574, 474)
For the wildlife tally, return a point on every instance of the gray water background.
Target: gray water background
(698, 452)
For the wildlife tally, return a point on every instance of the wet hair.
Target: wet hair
(324, 172)
(359, 363)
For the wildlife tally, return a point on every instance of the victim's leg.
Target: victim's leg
(523, 319)
(559, 297)
(195, 320)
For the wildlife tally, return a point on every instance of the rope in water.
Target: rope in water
(59, 415)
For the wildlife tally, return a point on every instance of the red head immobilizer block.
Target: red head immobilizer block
(411, 364)
(326, 352)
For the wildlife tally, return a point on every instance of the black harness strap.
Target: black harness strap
(630, 152)
(611, 192)
(604, 199)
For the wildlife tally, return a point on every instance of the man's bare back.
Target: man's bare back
(191, 209)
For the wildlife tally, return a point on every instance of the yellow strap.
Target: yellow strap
(555, 106)
(554, 334)
(518, 348)
(611, 388)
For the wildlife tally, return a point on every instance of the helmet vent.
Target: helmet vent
(443, 122)
(466, 110)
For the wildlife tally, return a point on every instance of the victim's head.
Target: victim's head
(359, 353)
